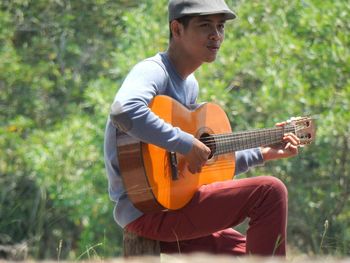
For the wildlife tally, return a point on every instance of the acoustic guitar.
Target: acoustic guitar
(156, 179)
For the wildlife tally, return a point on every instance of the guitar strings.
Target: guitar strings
(224, 138)
(224, 143)
(238, 141)
(247, 134)
(261, 131)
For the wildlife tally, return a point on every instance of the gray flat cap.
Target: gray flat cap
(180, 8)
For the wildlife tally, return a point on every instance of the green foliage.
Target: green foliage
(61, 63)
(292, 59)
(56, 87)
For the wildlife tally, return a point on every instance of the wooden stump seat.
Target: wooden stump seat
(134, 245)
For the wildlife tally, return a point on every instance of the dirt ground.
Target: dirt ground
(204, 258)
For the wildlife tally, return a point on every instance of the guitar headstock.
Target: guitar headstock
(305, 129)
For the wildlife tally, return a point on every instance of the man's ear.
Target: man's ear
(176, 28)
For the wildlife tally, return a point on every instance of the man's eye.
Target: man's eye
(222, 26)
(204, 25)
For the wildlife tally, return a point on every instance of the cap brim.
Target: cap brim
(227, 14)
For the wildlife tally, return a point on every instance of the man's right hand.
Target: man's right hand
(197, 156)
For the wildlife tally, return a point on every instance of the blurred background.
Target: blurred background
(61, 63)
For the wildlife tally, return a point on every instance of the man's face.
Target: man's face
(203, 36)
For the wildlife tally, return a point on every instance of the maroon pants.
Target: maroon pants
(205, 223)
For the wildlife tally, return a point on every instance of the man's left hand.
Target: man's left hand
(288, 148)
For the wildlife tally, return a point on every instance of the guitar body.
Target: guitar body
(152, 180)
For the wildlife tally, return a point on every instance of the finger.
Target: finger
(292, 139)
(291, 142)
(203, 152)
(194, 168)
(206, 152)
(204, 156)
(279, 124)
(291, 148)
(292, 135)
(191, 169)
(296, 140)
(289, 145)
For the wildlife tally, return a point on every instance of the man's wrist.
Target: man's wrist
(266, 154)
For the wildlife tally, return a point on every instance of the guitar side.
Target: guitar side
(133, 174)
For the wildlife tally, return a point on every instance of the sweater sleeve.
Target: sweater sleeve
(247, 159)
(131, 114)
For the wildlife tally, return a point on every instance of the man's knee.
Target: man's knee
(276, 187)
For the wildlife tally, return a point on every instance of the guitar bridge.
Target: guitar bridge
(173, 164)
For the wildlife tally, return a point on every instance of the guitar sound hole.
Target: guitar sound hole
(209, 141)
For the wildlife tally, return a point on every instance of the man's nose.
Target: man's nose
(216, 34)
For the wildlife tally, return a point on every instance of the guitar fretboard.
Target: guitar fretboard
(226, 143)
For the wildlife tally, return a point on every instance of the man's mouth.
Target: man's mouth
(213, 48)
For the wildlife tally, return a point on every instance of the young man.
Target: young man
(205, 223)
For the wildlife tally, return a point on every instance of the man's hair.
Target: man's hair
(185, 20)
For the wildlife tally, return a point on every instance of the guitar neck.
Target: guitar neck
(226, 143)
